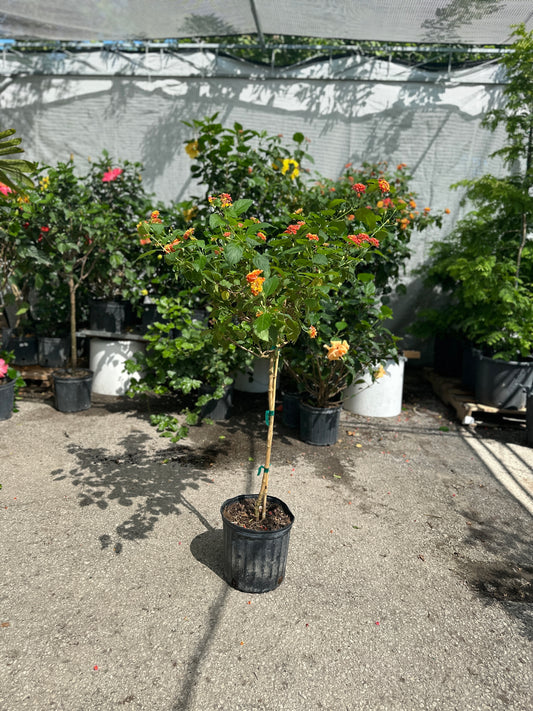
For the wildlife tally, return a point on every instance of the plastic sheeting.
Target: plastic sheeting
(441, 21)
(351, 109)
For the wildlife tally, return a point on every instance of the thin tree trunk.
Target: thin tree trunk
(73, 349)
(261, 502)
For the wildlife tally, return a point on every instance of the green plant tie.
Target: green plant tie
(268, 415)
(265, 469)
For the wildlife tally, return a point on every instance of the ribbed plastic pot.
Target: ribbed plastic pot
(218, 409)
(7, 399)
(110, 316)
(529, 418)
(290, 414)
(470, 359)
(53, 352)
(503, 383)
(72, 392)
(255, 561)
(25, 350)
(319, 425)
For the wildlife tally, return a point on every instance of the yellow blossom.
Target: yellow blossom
(337, 349)
(380, 372)
(191, 149)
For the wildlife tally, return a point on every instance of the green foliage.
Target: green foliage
(263, 290)
(14, 172)
(248, 164)
(485, 267)
(182, 359)
(399, 209)
(355, 316)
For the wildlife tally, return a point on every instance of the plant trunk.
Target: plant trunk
(261, 501)
(73, 348)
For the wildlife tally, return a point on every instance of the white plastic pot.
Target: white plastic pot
(107, 359)
(256, 380)
(381, 398)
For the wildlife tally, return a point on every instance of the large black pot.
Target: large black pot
(502, 383)
(24, 349)
(255, 561)
(218, 409)
(319, 425)
(110, 316)
(72, 389)
(290, 414)
(53, 352)
(7, 398)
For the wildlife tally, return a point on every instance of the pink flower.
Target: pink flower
(3, 368)
(4, 189)
(112, 175)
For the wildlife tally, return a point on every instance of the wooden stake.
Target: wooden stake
(261, 502)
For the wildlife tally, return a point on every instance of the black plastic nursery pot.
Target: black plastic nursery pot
(7, 398)
(319, 425)
(110, 316)
(290, 413)
(24, 349)
(72, 389)
(255, 561)
(53, 352)
(529, 418)
(218, 409)
(502, 383)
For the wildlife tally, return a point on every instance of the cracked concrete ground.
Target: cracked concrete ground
(408, 584)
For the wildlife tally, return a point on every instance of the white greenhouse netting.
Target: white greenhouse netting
(462, 21)
(352, 110)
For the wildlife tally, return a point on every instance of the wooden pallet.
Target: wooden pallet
(452, 392)
(36, 372)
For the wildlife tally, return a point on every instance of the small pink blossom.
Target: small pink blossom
(112, 175)
(4, 189)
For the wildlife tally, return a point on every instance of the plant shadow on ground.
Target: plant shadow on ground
(150, 484)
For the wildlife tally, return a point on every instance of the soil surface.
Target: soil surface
(242, 514)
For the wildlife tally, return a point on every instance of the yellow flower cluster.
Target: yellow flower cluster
(44, 183)
(191, 149)
(287, 162)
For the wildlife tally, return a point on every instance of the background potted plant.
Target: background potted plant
(485, 267)
(65, 221)
(10, 383)
(263, 288)
(182, 360)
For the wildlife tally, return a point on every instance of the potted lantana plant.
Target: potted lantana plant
(264, 289)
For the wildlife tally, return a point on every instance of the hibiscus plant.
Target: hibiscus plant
(266, 286)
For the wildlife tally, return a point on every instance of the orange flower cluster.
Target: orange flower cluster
(171, 247)
(383, 185)
(255, 281)
(262, 236)
(311, 237)
(312, 332)
(363, 237)
(337, 350)
(359, 188)
(225, 200)
(293, 229)
(188, 233)
(154, 217)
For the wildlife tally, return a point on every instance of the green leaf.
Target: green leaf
(233, 253)
(261, 261)
(261, 326)
(216, 221)
(320, 259)
(270, 285)
(241, 206)
(364, 278)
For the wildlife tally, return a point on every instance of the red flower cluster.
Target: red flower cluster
(363, 237)
(359, 188)
(293, 229)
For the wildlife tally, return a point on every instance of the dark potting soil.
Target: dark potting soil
(241, 513)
